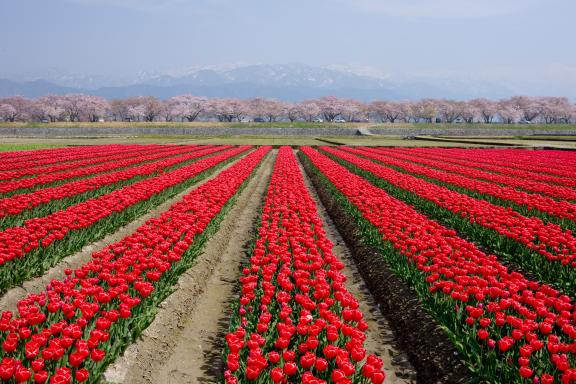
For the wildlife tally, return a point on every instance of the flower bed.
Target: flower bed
(295, 320)
(70, 332)
(509, 329)
(50, 200)
(97, 158)
(466, 179)
(50, 179)
(544, 249)
(29, 250)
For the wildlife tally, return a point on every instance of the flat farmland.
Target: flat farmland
(278, 261)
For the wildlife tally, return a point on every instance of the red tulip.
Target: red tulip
(82, 375)
(40, 377)
(97, 355)
(338, 375)
(37, 365)
(290, 368)
(276, 375)
(22, 374)
(525, 372)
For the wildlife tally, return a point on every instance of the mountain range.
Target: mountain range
(291, 82)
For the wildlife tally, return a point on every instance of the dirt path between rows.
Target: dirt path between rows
(379, 336)
(10, 299)
(183, 343)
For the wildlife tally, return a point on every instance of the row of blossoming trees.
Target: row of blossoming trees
(80, 107)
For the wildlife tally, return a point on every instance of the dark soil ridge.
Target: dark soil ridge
(429, 349)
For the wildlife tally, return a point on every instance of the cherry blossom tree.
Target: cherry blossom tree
(268, 108)
(555, 109)
(8, 112)
(470, 113)
(292, 111)
(141, 108)
(136, 112)
(228, 110)
(81, 107)
(507, 112)
(187, 107)
(152, 107)
(407, 108)
(16, 108)
(488, 109)
(94, 107)
(330, 107)
(309, 110)
(166, 113)
(51, 108)
(425, 110)
(568, 115)
(449, 110)
(118, 110)
(72, 105)
(530, 107)
(387, 111)
(352, 109)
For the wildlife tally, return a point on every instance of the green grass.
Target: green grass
(309, 140)
(14, 144)
(27, 147)
(33, 143)
(390, 141)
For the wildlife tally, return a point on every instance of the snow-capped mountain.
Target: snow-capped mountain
(283, 81)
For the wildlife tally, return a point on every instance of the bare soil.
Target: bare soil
(379, 336)
(427, 346)
(183, 343)
(10, 299)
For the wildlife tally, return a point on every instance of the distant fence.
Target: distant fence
(100, 131)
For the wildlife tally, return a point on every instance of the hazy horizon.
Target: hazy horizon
(516, 43)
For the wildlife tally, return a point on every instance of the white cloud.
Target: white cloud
(444, 9)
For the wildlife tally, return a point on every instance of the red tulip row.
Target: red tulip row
(545, 162)
(129, 152)
(443, 172)
(518, 182)
(28, 250)
(557, 157)
(70, 332)
(296, 322)
(19, 155)
(549, 240)
(508, 328)
(19, 160)
(152, 164)
(483, 171)
(43, 179)
(48, 152)
(559, 187)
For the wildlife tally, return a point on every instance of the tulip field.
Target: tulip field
(359, 265)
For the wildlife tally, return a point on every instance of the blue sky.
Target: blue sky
(519, 40)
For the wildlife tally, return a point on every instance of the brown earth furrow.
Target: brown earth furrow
(184, 342)
(379, 336)
(428, 348)
(10, 299)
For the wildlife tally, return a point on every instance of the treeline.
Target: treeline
(80, 107)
